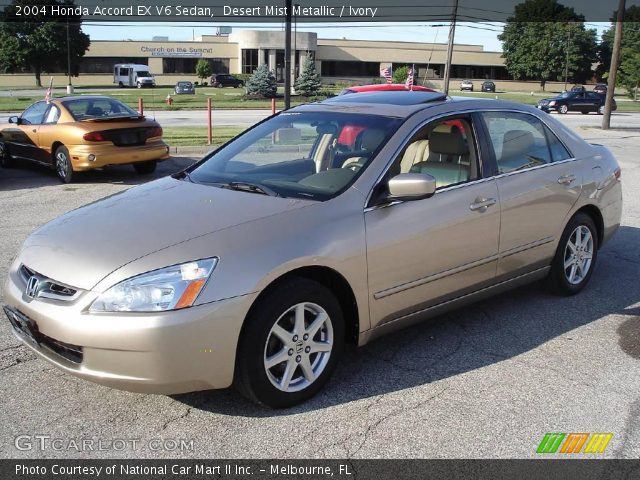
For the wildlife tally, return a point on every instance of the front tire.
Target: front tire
(5, 159)
(575, 257)
(290, 344)
(63, 165)
(145, 168)
(563, 109)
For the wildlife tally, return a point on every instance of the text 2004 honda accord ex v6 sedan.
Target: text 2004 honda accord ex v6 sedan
(327, 224)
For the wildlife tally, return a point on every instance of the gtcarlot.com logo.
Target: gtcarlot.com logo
(574, 442)
(48, 443)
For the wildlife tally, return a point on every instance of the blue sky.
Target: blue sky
(485, 33)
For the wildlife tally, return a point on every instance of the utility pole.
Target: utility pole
(566, 63)
(452, 33)
(287, 57)
(613, 69)
(69, 86)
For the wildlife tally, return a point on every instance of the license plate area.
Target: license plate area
(24, 326)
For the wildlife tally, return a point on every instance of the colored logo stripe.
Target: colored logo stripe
(573, 442)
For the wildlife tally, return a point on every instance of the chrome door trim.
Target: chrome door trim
(431, 278)
(526, 246)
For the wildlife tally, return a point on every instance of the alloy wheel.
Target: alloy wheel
(62, 164)
(578, 255)
(298, 347)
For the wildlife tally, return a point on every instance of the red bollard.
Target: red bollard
(209, 125)
(140, 106)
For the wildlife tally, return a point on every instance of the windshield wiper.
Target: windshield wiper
(251, 188)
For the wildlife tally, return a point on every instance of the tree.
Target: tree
(545, 39)
(39, 43)
(308, 83)
(400, 74)
(629, 71)
(262, 82)
(630, 37)
(203, 69)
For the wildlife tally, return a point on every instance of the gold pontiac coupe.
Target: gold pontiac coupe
(77, 133)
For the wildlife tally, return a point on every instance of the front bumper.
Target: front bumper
(164, 352)
(109, 154)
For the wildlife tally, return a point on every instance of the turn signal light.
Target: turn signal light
(617, 172)
(155, 132)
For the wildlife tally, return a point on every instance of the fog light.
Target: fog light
(91, 157)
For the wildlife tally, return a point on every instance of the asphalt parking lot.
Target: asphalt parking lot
(485, 381)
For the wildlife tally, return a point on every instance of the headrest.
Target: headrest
(516, 142)
(447, 143)
(371, 139)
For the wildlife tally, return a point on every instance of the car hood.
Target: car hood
(83, 246)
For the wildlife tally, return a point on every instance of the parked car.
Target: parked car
(225, 80)
(488, 87)
(600, 88)
(292, 248)
(184, 88)
(578, 89)
(381, 87)
(466, 85)
(584, 102)
(76, 133)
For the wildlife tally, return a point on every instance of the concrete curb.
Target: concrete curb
(193, 150)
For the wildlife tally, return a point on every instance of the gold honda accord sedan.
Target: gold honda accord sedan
(73, 134)
(328, 224)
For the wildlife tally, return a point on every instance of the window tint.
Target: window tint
(82, 109)
(519, 140)
(443, 149)
(34, 114)
(52, 115)
(558, 151)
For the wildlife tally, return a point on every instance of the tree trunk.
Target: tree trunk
(38, 82)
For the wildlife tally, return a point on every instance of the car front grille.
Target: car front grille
(47, 288)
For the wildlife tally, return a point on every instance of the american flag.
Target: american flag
(386, 73)
(409, 82)
(47, 96)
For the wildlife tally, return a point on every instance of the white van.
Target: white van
(133, 75)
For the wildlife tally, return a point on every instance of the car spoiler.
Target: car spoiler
(114, 119)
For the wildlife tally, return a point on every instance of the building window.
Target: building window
(350, 69)
(249, 60)
(188, 65)
(105, 64)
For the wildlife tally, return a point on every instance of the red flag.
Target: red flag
(47, 96)
(409, 82)
(386, 73)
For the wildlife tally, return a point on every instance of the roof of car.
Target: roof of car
(403, 104)
(385, 87)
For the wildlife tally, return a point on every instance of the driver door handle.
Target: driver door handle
(481, 204)
(566, 179)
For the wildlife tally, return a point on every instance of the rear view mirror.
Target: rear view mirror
(15, 120)
(411, 186)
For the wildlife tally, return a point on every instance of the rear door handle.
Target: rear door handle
(481, 204)
(566, 179)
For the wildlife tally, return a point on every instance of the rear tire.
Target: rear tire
(290, 344)
(601, 110)
(575, 257)
(63, 165)
(145, 168)
(5, 159)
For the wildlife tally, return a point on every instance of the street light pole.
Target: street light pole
(566, 63)
(69, 86)
(452, 33)
(613, 69)
(287, 57)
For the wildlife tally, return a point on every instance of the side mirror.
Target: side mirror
(411, 186)
(15, 120)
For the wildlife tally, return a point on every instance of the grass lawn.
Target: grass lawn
(197, 136)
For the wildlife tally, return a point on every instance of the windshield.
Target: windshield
(303, 155)
(184, 84)
(567, 95)
(91, 108)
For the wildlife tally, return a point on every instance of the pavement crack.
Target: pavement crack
(184, 415)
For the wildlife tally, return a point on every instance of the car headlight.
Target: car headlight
(552, 103)
(169, 288)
